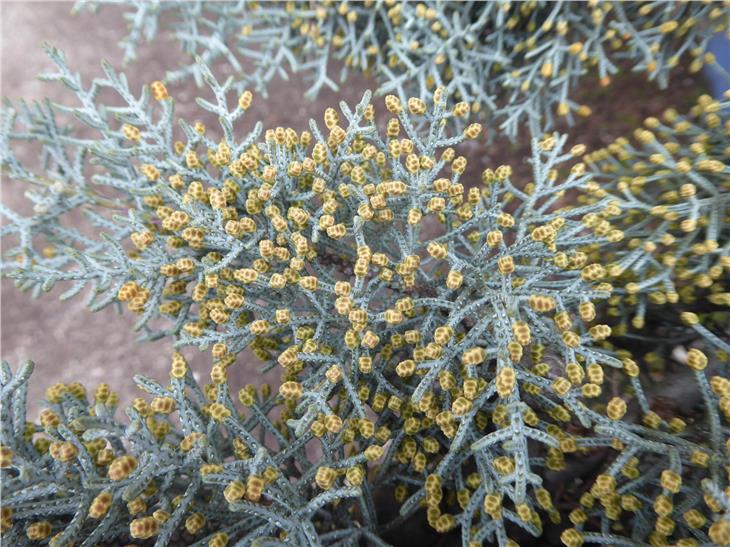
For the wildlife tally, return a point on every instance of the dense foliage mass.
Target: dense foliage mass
(673, 188)
(489, 359)
(516, 62)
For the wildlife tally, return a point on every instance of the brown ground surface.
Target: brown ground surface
(70, 343)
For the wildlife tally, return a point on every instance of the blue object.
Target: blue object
(718, 75)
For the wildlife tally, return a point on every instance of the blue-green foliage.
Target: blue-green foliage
(442, 343)
(518, 61)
